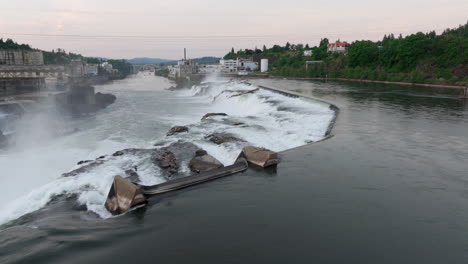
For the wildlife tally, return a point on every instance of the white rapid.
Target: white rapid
(144, 111)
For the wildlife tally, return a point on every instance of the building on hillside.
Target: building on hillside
(247, 65)
(21, 57)
(107, 67)
(337, 46)
(307, 53)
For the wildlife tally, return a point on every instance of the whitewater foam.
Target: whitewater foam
(264, 118)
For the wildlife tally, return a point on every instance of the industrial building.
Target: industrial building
(21, 57)
(239, 65)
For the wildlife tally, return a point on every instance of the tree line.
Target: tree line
(420, 58)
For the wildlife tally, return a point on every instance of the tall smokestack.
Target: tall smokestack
(185, 54)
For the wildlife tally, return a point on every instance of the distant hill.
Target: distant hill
(207, 60)
(150, 61)
(203, 60)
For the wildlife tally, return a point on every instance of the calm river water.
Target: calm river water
(390, 187)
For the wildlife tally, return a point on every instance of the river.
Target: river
(389, 187)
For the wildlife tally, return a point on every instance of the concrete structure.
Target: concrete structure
(307, 53)
(209, 68)
(247, 65)
(183, 69)
(21, 57)
(18, 71)
(241, 64)
(78, 68)
(264, 65)
(91, 69)
(228, 65)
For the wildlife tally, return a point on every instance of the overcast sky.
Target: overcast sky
(162, 28)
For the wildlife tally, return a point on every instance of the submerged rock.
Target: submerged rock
(213, 114)
(246, 92)
(177, 129)
(204, 162)
(222, 138)
(132, 176)
(3, 140)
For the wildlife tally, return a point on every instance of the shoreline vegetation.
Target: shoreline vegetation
(421, 58)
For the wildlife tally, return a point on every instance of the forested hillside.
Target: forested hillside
(420, 57)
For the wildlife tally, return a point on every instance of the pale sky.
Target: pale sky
(162, 28)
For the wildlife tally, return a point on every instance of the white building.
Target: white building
(247, 65)
(307, 53)
(107, 67)
(228, 65)
(264, 65)
(240, 64)
(337, 46)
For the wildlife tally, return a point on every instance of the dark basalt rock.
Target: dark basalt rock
(118, 153)
(222, 138)
(132, 176)
(238, 124)
(167, 161)
(88, 166)
(177, 129)
(104, 100)
(213, 114)
(181, 152)
(83, 162)
(204, 162)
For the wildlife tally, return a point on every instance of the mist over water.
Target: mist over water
(48, 144)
